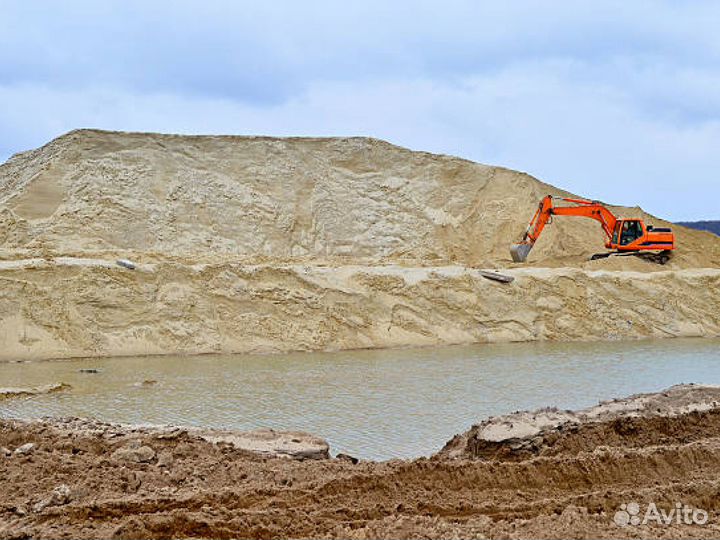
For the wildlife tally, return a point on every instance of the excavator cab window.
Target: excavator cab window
(631, 231)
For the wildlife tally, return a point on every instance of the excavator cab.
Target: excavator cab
(632, 235)
(626, 232)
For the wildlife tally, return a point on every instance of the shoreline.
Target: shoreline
(538, 473)
(357, 350)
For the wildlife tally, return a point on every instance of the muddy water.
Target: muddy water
(373, 404)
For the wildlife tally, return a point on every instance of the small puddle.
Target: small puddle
(372, 404)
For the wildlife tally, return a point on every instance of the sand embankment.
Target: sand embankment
(258, 244)
(565, 477)
(62, 309)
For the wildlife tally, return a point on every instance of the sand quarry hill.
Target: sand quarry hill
(259, 244)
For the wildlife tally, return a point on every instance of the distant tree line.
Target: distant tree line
(712, 226)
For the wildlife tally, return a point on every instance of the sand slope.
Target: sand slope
(300, 198)
(267, 244)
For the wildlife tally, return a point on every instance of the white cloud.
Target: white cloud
(613, 100)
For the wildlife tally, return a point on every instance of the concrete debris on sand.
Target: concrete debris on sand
(126, 264)
(654, 447)
(287, 444)
(283, 244)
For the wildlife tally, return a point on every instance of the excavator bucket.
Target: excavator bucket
(519, 252)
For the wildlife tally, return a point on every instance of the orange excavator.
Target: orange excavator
(623, 236)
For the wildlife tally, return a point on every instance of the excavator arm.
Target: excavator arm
(547, 209)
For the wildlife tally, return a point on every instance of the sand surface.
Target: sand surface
(14, 392)
(258, 244)
(79, 479)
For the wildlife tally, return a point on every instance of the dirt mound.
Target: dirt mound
(634, 421)
(76, 482)
(354, 199)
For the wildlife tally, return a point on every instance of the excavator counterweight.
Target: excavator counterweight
(623, 236)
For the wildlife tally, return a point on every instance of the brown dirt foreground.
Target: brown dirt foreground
(547, 474)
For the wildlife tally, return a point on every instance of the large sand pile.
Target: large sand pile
(296, 198)
(262, 244)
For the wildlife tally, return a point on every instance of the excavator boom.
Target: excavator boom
(623, 235)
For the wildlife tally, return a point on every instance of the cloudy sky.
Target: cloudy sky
(613, 100)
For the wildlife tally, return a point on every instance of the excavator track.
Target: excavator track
(658, 258)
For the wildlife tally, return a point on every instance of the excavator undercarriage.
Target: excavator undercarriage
(659, 258)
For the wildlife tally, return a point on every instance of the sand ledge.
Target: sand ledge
(95, 308)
